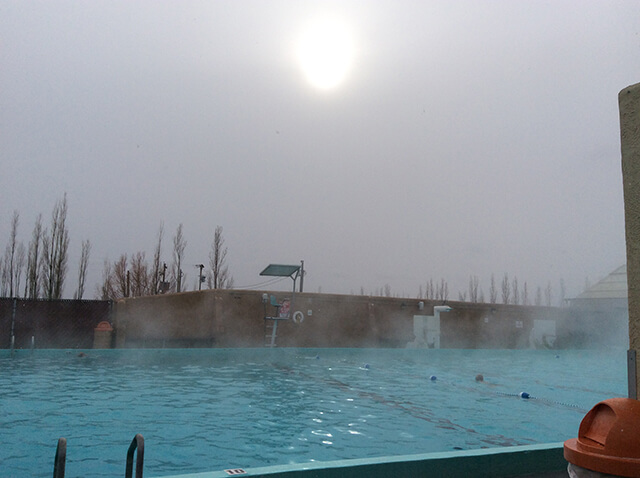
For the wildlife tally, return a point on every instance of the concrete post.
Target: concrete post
(629, 103)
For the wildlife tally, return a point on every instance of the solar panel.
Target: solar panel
(280, 270)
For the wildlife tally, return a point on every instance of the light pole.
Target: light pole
(200, 276)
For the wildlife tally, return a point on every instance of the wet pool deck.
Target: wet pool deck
(532, 461)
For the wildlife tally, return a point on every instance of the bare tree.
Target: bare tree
(140, 276)
(115, 279)
(525, 294)
(107, 290)
(120, 277)
(9, 264)
(474, 284)
(538, 300)
(430, 292)
(387, 290)
(82, 268)
(462, 296)
(18, 268)
(54, 253)
(179, 245)
(4, 279)
(563, 293)
(32, 286)
(515, 291)
(442, 290)
(155, 268)
(218, 262)
(506, 289)
(548, 295)
(493, 291)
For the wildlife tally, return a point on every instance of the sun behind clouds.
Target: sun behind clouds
(325, 53)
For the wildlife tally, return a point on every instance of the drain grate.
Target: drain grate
(235, 471)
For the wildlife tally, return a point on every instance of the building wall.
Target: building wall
(235, 318)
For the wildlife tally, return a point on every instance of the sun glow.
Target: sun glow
(325, 53)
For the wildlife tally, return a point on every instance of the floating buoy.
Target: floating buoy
(479, 378)
(433, 378)
(524, 395)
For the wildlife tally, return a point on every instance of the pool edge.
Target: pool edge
(514, 461)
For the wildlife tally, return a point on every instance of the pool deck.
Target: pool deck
(532, 461)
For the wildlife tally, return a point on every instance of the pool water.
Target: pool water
(212, 409)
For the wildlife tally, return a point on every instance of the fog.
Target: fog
(465, 139)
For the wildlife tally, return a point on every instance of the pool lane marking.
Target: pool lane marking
(489, 393)
(413, 410)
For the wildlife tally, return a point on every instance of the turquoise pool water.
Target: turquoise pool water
(212, 409)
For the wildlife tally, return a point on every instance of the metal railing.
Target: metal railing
(61, 458)
(136, 444)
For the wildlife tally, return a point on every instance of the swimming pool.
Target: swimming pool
(212, 409)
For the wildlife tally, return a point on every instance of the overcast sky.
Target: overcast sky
(464, 138)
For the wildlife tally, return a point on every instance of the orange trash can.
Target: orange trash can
(103, 335)
(608, 439)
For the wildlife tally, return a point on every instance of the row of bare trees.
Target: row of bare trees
(508, 291)
(134, 276)
(39, 270)
(44, 261)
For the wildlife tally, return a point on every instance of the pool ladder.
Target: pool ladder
(136, 444)
(271, 322)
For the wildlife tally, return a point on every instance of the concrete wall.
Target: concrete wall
(235, 318)
(629, 103)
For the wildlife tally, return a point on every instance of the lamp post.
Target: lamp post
(200, 276)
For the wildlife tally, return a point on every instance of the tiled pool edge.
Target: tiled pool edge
(529, 460)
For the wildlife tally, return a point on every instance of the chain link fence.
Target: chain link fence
(50, 324)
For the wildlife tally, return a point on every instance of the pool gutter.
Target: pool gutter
(544, 460)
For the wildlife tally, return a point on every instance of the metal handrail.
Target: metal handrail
(60, 459)
(137, 442)
(59, 462)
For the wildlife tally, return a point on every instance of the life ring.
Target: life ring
(298, 317)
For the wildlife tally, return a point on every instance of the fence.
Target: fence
(47, 324)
